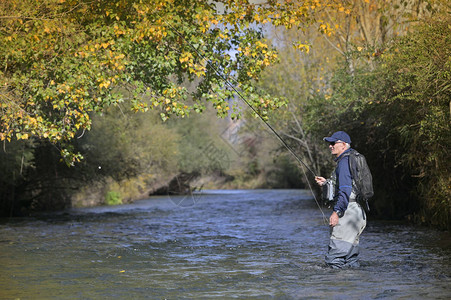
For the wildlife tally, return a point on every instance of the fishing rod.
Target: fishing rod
(228, 83)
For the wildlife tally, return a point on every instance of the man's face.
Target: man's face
(337, 148)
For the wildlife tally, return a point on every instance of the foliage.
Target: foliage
(15, 159)
(420, 71)
(124, 144)
(127, 149)
(284, 174)
(362, 29)
(113, 198)
(125, 152)
(201, 150)
(63, 59)
(46, 181)
(399, 116)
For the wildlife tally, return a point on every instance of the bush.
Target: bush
(113, 198)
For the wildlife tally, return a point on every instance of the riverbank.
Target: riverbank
(145, 186)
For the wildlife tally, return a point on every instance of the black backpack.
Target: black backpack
(362, 179)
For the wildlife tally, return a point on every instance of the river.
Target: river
(242, 244)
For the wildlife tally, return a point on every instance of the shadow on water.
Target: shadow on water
(260, 244)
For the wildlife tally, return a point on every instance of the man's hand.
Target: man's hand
(333, 220)
(320, 180)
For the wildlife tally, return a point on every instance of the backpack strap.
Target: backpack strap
(353, 170)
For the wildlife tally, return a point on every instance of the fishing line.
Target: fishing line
(228, 83)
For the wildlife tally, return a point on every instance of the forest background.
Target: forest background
(107, 102)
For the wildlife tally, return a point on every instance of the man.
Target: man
(348, 219)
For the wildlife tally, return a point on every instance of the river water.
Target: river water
(259, 244)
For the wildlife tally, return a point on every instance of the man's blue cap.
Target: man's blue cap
(339, 136)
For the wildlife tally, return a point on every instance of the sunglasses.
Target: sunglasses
(333, 143)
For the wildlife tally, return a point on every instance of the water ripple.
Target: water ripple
(263, 244)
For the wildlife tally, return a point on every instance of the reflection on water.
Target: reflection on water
(227, 244)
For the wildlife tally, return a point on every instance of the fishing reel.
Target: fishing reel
(328, 193)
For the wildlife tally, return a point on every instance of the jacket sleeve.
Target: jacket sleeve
(344, 177)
